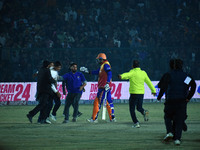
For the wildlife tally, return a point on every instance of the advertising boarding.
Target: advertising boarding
(26, 91)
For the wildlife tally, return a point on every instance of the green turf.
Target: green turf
(17, 133)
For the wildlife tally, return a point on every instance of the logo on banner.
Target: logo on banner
(14, 92)
(93, 91)
(115, 91)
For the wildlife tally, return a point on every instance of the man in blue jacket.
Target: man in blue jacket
(75, 85)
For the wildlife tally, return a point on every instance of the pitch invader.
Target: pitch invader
(104, 94)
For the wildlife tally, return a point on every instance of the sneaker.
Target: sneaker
(53, 117)
(146, 115)
(92, 121)
(74, 120)
(136, 125)
(47, 121)
(113, 120)
(65, 121)
(177, 142)
(168, 137)
(79, 114)
(29, 117)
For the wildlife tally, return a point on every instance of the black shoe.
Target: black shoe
(29, 117)
(184, 127)
(74, 120)
(79, 114)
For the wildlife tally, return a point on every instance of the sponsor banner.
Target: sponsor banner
(16, 91)
(23, 91)
(26, 91)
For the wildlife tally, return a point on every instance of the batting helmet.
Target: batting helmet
(101, 56)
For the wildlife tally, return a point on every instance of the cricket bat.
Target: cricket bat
(104, 106)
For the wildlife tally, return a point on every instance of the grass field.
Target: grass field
(16, 133)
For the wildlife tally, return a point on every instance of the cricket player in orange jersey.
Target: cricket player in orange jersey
(104, 81)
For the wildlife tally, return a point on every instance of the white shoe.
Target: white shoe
(177, 142)
(48, 121)
(136, 125)
(53, 117)
(168, 137)
(113, 120)
(92, 121)
(65, 121)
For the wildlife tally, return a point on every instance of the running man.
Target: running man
(137, 78)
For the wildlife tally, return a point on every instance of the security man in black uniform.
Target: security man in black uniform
(179, 88)
(44, 91)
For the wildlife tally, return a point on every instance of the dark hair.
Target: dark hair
(45, 63)
(178, 64)
(57, 64)
(136, 63)
(71, 64)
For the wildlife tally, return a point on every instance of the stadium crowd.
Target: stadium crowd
(154, 31)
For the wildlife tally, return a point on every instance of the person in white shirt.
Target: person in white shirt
(54, 73)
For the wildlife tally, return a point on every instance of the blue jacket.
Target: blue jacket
(74, 81)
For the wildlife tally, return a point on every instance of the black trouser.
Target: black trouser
(72, 98)
(73, 108)
(175, 114)
(57, 102)
(136, 100)
(44, 100)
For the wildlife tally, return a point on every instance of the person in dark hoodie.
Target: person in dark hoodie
(179, 87)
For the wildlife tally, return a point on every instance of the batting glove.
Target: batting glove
(107, 88)
(84, 69)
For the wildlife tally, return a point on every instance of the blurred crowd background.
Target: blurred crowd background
(152, 31)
